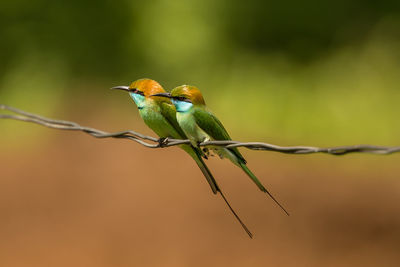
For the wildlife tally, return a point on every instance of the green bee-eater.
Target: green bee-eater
(160, 115)
(200, 125)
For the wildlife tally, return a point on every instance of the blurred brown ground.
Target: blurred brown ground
(80, 201)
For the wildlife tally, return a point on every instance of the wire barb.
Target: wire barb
(141, 139)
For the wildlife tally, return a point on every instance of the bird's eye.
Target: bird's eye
(183, 98)
(136, 91)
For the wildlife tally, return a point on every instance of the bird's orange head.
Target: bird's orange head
(188, 93)
(146, 87)
(142, 92)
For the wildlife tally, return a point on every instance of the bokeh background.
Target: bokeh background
(288, 73)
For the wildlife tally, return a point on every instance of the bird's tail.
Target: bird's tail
(259, 184)
(196, 155)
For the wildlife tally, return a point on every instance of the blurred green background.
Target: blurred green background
(284, 72)
(310, 71)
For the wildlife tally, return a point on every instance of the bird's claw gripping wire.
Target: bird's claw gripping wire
(163, 142)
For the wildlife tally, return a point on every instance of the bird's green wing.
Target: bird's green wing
(206, 120)
(169, 112)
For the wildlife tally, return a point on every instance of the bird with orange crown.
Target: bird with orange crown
(200, 125)
(160, 115)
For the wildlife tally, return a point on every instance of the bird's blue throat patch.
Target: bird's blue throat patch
(139, 100)
(182, 106)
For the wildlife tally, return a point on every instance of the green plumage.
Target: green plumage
(214, 128)
(200, 125)
(160, 117)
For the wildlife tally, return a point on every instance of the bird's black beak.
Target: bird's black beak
(163, 95)
(121, 87)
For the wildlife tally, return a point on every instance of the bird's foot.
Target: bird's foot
(206, 153)
(163, 141)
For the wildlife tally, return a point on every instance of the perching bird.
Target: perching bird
(200, 125)
(160, 115)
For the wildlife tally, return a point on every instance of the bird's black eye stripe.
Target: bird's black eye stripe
(136, 91)
(182, 98)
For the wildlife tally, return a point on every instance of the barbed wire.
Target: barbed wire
(156, 143)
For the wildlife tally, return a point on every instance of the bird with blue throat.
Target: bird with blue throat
(200, 125)
(159, 114)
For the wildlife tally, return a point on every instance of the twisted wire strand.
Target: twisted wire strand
(141, 139)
